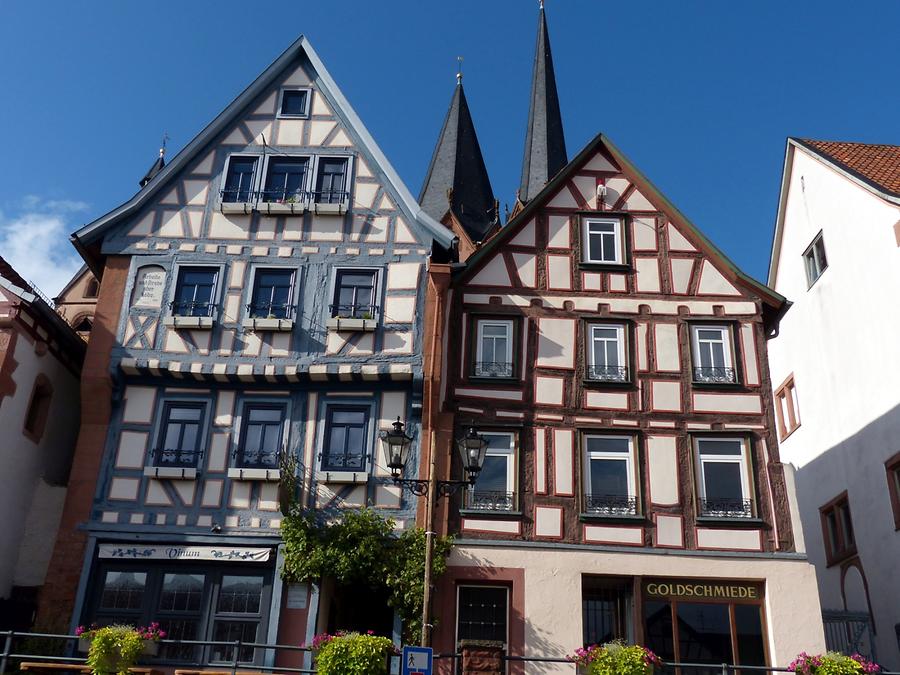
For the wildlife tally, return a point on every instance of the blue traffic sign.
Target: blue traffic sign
(416, 661)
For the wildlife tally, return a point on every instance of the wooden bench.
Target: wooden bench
(39, 666)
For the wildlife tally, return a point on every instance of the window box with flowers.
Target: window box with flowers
(615, 658)
(115, 649)
(833, 663)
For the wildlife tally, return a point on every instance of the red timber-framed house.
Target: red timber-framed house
(614, 359)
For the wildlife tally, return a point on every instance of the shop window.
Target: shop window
(180, 611)
(272, 294)
(345, 438)
(606, 353)
(38, 409)
(893, 477)
(609, 475)
(121, 597)
(606, 607)
(495, 489)
(262, 435)
(493, 348)
(237, 616)
(723, 477)
(837, 529)
(603, 241)
(195, 291)
(482, 613)
(787, 412)
(354, 294)
(713, 355)
(180, 436)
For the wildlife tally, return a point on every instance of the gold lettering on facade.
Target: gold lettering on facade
(703, 590)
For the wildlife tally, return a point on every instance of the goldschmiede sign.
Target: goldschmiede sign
(701, 589)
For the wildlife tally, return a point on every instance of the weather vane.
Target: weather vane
(459, 61)
(165, 139)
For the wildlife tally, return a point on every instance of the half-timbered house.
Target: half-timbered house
(259, 297)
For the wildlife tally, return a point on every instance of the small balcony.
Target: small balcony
(610, 505)
(726, 507)
(714, 375)
(607, 373)
(487, 500)
(497, 369)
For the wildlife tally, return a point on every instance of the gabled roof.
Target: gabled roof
(649, 190)
(876, 165)
(71, 283)
(457, 179)
(875, 168)
(545, 144)
(92, 233)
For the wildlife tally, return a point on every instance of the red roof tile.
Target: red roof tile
(876, 164)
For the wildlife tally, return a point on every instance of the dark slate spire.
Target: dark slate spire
(545, 145)
(457, 179)
(157, 165)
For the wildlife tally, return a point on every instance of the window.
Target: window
(240, 177)
(786, 408)
(180, 611)
(354, 294)
(331, 183)
(606, 607)
(238, 615)
(92, 288)
(723, 476)
(609, 475)
(606, 356)
(345, 442)
(121, 597)
(272, 294)
(603, 241)
(837, 528)
(262, 435)
(181, 435)
(294, 103)
(83, 324)
(495, 489)
(482, 613)
(195, 291)
(892, 466)
(493, 348)
(38, 408)
(713, 355)
(286, 180)
(815, 260)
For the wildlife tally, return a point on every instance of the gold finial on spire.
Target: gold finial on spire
(459, 61)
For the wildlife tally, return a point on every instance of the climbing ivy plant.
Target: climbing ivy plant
(360, 546)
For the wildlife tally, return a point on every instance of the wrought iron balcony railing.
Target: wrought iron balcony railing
(610, 505)
(177, 457)
(270, 310)
(190, 308)
(343, 461)
(607, 373)
(487, 500)
(354, 311)
(493, 369)
(283, 196)
(727, 507)
(715, 375)
(257, 458)
(237, 196)
(330, 196)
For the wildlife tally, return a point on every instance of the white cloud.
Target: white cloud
(34, 239)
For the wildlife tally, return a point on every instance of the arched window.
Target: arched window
(83, 323)
(92, 288)
(38, 408)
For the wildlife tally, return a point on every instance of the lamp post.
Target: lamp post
(472, 449)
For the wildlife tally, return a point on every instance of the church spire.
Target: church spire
(457, 179)
(545, 145)
(158, 165)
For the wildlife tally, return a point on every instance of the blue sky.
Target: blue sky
(701, 95)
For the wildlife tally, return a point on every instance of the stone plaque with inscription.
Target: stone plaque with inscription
(148, 287)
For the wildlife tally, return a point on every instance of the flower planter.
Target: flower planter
(151, 647)
(84, 644)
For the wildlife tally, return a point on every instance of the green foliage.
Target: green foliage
(360, 546)
(352, 654)
(114, 649)
(616, 658)
(287, 482)
(832, 663)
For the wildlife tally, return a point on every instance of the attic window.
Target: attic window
(92, 289)
(294, 103)
(603, 241)
(815, 260)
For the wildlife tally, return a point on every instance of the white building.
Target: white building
(835, 368)
(40, 363)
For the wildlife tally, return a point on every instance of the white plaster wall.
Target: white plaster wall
(553, 593)
(839, 339)
(31, 509)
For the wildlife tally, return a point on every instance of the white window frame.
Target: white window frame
(742, 459)
(618, 240)
(480, 324)
(510, 452)
(495, 586)
(257, 177)
(304, 114)
(812, 255)
(621, 334)
(727, 341)
(630, 464)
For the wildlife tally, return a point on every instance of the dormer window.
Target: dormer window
(603, 243)
(294, 103)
